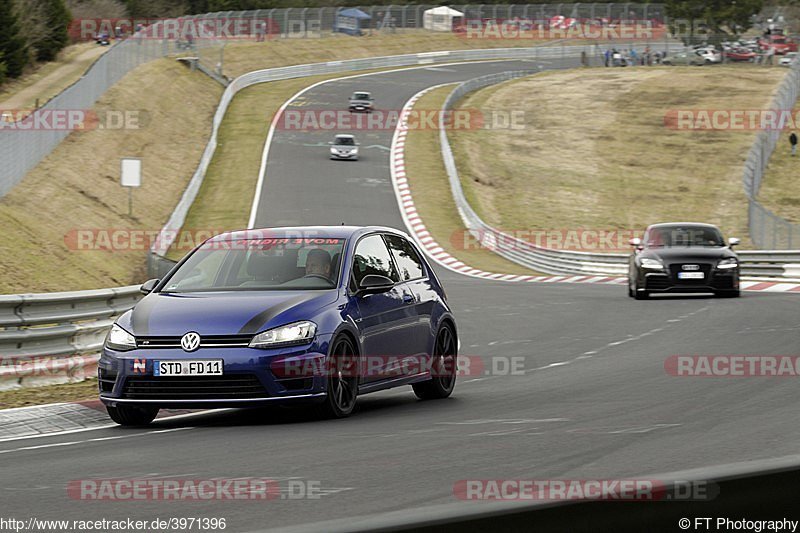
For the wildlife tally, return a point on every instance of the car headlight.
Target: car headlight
(652, 264)
(354, 151)
(729, 262)
(288, 335)
(333, 150)
(120, 340)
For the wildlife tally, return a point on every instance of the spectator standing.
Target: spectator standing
(793, 142)
(607, 56)
(770, 54)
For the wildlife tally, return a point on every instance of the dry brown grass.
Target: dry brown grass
(77, 186)
(594, 151)
(780, 188)
(68, 392)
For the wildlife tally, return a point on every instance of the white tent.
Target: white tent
(440, 18)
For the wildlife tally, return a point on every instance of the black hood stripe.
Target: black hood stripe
(253, 325)
(140, 317)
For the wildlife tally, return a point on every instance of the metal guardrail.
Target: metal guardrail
(52, 337)
(771, 264)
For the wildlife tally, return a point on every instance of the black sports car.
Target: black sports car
(683, 257)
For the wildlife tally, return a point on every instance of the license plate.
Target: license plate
(205, 367)
(690, 275)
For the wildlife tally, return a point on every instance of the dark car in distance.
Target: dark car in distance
(684, 257)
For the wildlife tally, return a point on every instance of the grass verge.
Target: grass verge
(593, 151)
(67, 392)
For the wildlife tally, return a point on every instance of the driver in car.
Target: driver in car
(318, 264)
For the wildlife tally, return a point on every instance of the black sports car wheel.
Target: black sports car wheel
(443, 367)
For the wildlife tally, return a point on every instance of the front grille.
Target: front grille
(229, 387)
(656, 283)
(206, 341)
(705, 268)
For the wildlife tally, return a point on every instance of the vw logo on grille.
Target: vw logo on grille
(691, 267)
(191, 341)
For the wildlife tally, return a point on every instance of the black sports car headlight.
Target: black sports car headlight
(120, 340)
(652, 264)
(293, 334)
(729, 262)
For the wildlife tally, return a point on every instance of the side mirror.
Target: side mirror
(374, 283)
(733, 241)
(636, 241)
(148, 286)
(330, 142)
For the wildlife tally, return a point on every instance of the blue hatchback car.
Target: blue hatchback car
(279, 316)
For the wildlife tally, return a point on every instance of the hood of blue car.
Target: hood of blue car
(222, 313)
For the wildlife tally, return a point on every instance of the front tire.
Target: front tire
(443, 367)
(342, 392)
(728, 294)
(131, 415)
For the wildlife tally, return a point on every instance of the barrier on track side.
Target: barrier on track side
(53, 337)
(770, 264)
(768, 230)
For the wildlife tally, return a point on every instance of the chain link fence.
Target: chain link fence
(768, 230)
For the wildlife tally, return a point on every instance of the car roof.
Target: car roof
(345, 136)
(310, 232)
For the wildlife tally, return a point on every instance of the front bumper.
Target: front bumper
(350, 156)
(714, 281)
(249, 377)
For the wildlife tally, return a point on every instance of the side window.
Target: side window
(406, 258)
(372, 257)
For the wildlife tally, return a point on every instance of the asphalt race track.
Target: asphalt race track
(593, 401)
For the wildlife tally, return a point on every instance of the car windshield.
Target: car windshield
(345, 141)
(260, 264)
(683, 236)
(361, 96)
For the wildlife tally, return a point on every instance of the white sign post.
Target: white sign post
(131, 176)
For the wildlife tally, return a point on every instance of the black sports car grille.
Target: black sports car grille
(655, 283)
(206, 341)
(229, 387)
(705, 268)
